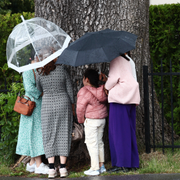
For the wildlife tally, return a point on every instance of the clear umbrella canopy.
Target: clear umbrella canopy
(35, 40)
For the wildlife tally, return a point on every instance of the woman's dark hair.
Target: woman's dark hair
(44, 53)
(93, 77)
(128, 53)
(47, 68)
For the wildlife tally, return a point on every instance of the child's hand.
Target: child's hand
(102, 77)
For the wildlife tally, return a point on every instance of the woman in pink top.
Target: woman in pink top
(123, 97)
(92, 105)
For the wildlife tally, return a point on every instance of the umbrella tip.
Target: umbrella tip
(22, 17)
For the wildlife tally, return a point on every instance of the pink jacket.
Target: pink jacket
(122, 86)
(91, 103)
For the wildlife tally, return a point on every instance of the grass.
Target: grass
(153, 163)
(157, 162)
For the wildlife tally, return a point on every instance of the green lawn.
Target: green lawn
(155, 162)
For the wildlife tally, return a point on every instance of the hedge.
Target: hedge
(7, 23)
(164, 28)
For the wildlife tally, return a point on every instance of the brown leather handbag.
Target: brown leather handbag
(77, 131)
(24, 106)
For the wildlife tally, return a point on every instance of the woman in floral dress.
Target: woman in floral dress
(30, 134)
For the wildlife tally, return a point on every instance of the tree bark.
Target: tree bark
(76, 17)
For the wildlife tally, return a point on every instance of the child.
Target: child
(92, 111)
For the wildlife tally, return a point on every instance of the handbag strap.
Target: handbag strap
(20, 98)
(27, 98)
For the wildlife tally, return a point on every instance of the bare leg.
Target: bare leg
(63, 170)
(38, 161)
(32, 161)
(63, 159)
(51, 160)
(100, 164)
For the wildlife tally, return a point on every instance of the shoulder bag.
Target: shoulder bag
(77, 130)
(24, 105)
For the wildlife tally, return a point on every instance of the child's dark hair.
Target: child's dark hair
(93, 77)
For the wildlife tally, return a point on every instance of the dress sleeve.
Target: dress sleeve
(30, 84)
(82, 102)
(69, 87)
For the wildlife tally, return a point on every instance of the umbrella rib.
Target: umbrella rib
(104, 52)
(15, 43)
(51, 35)
(27, 42)
(27, 31)
(82, 46)
(47, 31)
(30, 40)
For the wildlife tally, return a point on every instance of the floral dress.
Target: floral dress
(30, 133)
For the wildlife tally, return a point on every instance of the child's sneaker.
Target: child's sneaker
(102, 169)
(63, 172)
(91, 172)
(88, 171)
(30, 168)
(52, 173)
(42, 169)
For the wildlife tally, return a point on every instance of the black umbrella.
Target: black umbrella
(97, 47)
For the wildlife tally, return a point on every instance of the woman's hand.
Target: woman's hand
(106, 91)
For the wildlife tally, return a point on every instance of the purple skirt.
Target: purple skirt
(122, 135)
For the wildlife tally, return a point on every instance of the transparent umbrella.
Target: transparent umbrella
(35, 39)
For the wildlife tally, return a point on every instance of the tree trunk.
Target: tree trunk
(77, 17)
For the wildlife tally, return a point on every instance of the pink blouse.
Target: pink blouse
(122, 86)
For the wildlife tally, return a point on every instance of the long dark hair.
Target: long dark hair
(124, 56)
(93, 77)
(47, 68)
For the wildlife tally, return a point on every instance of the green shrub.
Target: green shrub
(9, 119)
(8, 22)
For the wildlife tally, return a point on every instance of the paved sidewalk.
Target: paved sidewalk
(124, 177)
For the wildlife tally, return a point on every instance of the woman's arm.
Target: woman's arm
(69, 86)
(82, 102)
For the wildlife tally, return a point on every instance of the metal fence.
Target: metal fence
(150, 143)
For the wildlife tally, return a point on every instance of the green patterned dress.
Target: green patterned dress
(30, 134)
